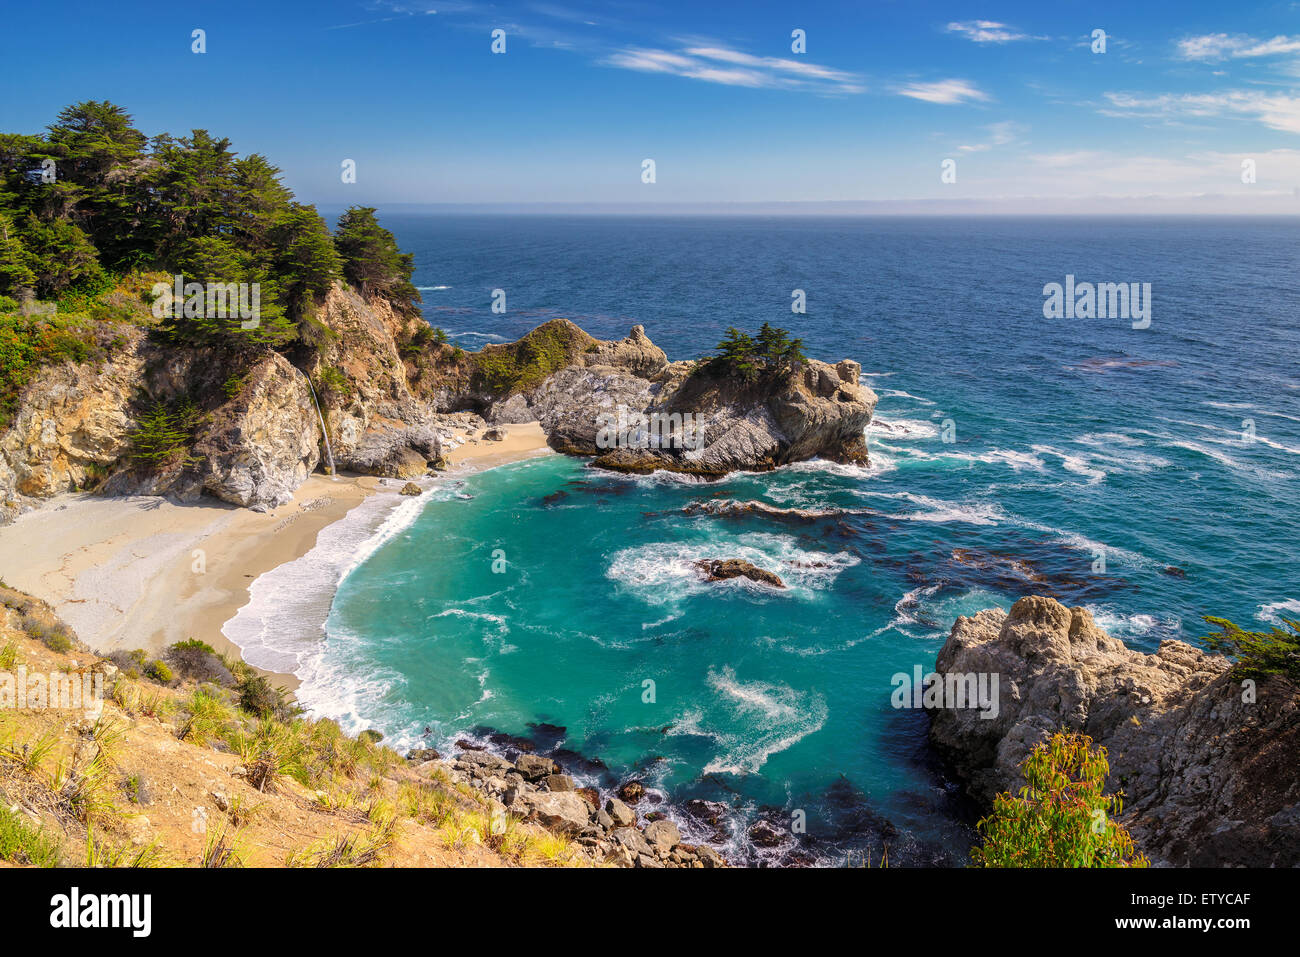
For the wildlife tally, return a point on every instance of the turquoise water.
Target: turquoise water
(1074, 440)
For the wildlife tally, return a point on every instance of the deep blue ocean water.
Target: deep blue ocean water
(1172, 452)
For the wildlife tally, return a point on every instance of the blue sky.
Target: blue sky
(713, 93)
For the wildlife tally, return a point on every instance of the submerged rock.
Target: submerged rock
(631, 792)
(722, 569)
(729, 508)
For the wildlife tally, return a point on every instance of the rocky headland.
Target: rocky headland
(1206, 759)
(251, 431)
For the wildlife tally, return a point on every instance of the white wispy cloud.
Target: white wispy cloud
(716, 64)
(943, 91)
(1000, 134)
(1220, 46)
(988, 31)
(1277, 111)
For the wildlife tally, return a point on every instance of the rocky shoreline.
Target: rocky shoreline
(1206, 759)
(614, 829)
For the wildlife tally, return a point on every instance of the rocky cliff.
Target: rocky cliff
(253, 433)
(627, 405)
(385, 386)
(1206, 762)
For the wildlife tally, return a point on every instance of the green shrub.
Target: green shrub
(55, 636)
(233, 385)
(1062, 818)
(159, 671)
(130, 663)
(197, 660)
(334, 382)
(24, 843)
(517, 366)
(163, 432)
(259, 697)
(1259, 653)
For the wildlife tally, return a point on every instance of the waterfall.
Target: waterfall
(329, 452)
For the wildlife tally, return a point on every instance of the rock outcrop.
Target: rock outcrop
(724, 569)
(530, 788)
(71, 424)
(257, 448)
(1207, 768)
(627, 405)
(377, 425)
(251, 446)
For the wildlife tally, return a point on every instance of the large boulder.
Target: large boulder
(392, 451)
(377, 424)
(562, 811)
(1207, 767)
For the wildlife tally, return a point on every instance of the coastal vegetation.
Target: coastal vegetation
(1062, 817)
(513, 367)
(770, 351)
(94, 215)
(1259, 654)
(198, 760)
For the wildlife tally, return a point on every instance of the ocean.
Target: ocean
(1149, 474)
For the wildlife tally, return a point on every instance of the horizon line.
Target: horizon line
(1268, 205)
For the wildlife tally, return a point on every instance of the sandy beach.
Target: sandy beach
(145, 572)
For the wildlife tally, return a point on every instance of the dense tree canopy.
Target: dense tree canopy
(94, 198)
(771, 351)
(371, 258)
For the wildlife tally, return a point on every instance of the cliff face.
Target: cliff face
(1209, 774)
(70, 423)
(377, 425)
(384, 384)
(254, 438)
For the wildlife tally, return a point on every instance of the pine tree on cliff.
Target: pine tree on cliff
(748, 356)
(738, 353)
(777, 349)
(99, 160)
(303, 256)
(371, 258)
(64, 253)
(194, 189)
(15, 271)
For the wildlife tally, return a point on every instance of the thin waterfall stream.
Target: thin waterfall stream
(329, 452)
